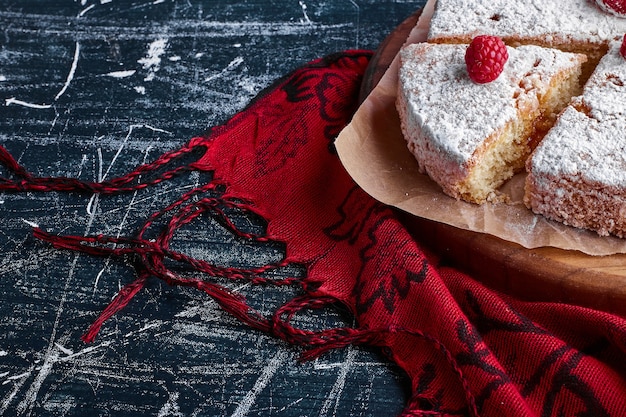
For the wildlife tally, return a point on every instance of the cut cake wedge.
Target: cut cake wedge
(578, 173)
(470, 138)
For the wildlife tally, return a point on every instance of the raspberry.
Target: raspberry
(622, 49)
(616, 7)
(485, 58)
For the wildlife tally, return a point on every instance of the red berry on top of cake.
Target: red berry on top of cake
(485, 58)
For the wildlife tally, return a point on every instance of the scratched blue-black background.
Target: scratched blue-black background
(90, 89)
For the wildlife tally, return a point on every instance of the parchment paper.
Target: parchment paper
(375, 154)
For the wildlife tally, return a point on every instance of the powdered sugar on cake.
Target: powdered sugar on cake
(555, 22)
(589, 140)
(448, 119)
(457, 114)
(433, 76)
(577, 175)
(467, 137)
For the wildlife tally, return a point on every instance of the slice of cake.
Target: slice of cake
(570, 25)
(578, 173)
(470, 138)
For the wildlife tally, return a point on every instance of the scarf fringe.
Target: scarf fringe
(149, 256)
(24, 181)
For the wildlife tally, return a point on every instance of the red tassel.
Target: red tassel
(7, 160)
(121, 300)
(63, 184)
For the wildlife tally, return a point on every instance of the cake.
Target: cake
(471, 137)
(468, 137)
(570, 25)
(577, 175)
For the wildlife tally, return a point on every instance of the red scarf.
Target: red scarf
(468, 350)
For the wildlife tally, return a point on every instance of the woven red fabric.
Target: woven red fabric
(517, 359)
(467, 349)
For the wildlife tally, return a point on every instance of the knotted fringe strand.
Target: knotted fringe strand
(151, 253)
(150, 256)
(121, 300)
(25, 181)
(12, 165)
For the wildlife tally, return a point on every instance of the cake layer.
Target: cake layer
(570, 25)
(578, 173)
(566, 24)
(470, 138)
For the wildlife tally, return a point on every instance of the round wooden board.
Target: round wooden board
(544, 274)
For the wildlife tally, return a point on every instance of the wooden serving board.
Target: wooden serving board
(544, 274)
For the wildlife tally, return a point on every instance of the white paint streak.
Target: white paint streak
(83, 352)
(70, 75)
(16, 389)
(3, 78)
(31, 224)
(68, 80)
(15, 101)
(171, 408)
(92, 204)
(94, 199)
(119, 151)
(335, 393)
(234, 63)
(64, 350)
(20, 376)
(99, 276)
(156, 129)
(358, 22)
(231, 66)
(83, 161)
(143, 329)
(100, 162)
(152, 61)
(54, 122)
(266, 376)
(30, 398)
(121, 74)
(291, 404)
(306, 16)
(141, 89)
(84, 11)
(334, 365)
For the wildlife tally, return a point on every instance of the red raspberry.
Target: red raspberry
(616, 7)
(622, 49)
(485, 58)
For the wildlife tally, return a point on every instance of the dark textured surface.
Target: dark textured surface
(91, 89)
